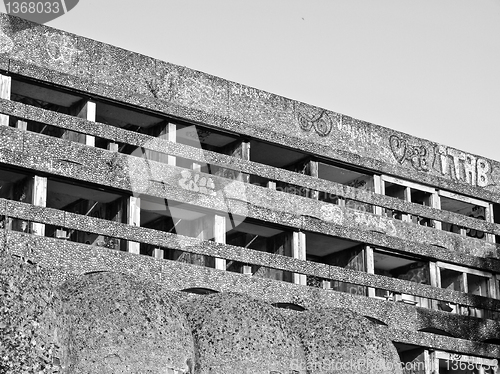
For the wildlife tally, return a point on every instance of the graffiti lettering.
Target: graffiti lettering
(332, 213)
(464, 167)
(197, 183)
(61, 48)
(457, 165)
(358, 133)
(417, 155)
(376, 222)
(252, 93)
(321, 122)
(340, 216)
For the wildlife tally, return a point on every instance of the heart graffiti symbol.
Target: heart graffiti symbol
(39, 11)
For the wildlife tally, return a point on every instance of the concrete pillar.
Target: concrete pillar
(299, 252)
(5, 90)
(172, 137)
(83, 109)
(370, 267)
(134, 219)
(220, 237)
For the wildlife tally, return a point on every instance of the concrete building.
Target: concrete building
(111, 161)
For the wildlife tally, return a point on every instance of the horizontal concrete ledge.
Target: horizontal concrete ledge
(228, 252)
(101, 167)
(115, 134)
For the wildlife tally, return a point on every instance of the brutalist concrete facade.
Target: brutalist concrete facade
(278, 219)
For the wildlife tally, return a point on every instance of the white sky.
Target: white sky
(430, 68)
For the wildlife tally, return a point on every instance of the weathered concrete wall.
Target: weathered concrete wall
(54, 56)
(234, 333)
(113, 323)
(404, 321)
(337, 336)
(108, 323)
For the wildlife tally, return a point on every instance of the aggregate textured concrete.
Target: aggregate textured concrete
(112, 323)
(234, 334)
(107, 72)
(336, 338)
(403, 321)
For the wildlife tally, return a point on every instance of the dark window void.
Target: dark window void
(411, 195)
(349, 177)
(46, 97)
(193, 136)
(280, 157)
(261, 237)
(467, 209)
(12, 184)
(337, 252)
(496, 219)
(178, 218)
(86, 201)
(408, 268)
(17, 186)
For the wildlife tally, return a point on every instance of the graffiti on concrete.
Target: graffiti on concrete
(332, 213)
(374, 222)
(457, 165)
(464, 167)
(61, 48)
(345, 216)
(320, 122)
(197, 183)
(326, 123)
(417, 155)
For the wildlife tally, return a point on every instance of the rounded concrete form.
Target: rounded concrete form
(113, 323)
(238, 335)
(341, 341)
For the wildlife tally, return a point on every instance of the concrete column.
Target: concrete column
(370, 267)
(314, 172)
(299, 252)
(220, 237)
(88, 112)
(39, 199)
(159, 253)
(83, 109)
(134, 219)
(5, 90)
(377, 185)
(22, 125)
(172, 136)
